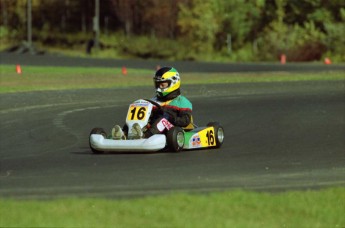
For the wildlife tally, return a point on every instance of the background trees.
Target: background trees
(304, 30)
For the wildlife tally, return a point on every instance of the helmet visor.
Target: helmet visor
(162, 84)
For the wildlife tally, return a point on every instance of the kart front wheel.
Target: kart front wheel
(98, 131)
(219, 133)
(175, 139)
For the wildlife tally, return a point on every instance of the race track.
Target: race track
(278, 136)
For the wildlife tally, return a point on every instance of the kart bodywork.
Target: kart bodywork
(176, 138)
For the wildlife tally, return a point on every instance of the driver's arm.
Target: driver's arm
(179, 117)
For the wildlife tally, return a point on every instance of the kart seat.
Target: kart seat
(190, 126)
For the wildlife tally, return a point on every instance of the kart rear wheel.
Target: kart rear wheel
(98, 131)
(219, 133)
(175, 139)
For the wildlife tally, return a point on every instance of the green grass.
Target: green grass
(60, 78)
(323, 208)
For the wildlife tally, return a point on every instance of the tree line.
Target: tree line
(236, 30)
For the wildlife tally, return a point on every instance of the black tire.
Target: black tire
(175, 139)
(99, 131)
(218, 133)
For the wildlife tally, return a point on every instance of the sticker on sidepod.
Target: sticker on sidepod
(207, 137)
(195, 141)
(164, 124)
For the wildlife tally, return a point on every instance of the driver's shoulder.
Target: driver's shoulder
(183, 98)
(183, 102)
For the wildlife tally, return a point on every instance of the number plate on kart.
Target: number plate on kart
(139, 112)
(136, 112)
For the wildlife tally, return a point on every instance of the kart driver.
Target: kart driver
(176, 109)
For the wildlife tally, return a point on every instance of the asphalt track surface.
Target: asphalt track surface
(278, 136)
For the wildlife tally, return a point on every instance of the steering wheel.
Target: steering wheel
(159, 107)
(154, 103)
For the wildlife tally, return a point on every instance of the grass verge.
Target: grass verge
(323, 208)
(35, 78)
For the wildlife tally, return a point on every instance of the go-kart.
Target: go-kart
(175, 139)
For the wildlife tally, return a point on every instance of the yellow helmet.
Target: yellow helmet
(169, 75)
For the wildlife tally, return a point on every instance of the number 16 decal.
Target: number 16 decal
(210, 137)
(137, 113)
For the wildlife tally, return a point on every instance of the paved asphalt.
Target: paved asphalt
(278, 136)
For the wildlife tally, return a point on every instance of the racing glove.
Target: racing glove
(170, 115)
(166, 115)
(177, 118)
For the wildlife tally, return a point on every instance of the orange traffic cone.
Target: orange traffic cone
(18, 69)
(283, 59)
(327, 61)
(124, 70)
